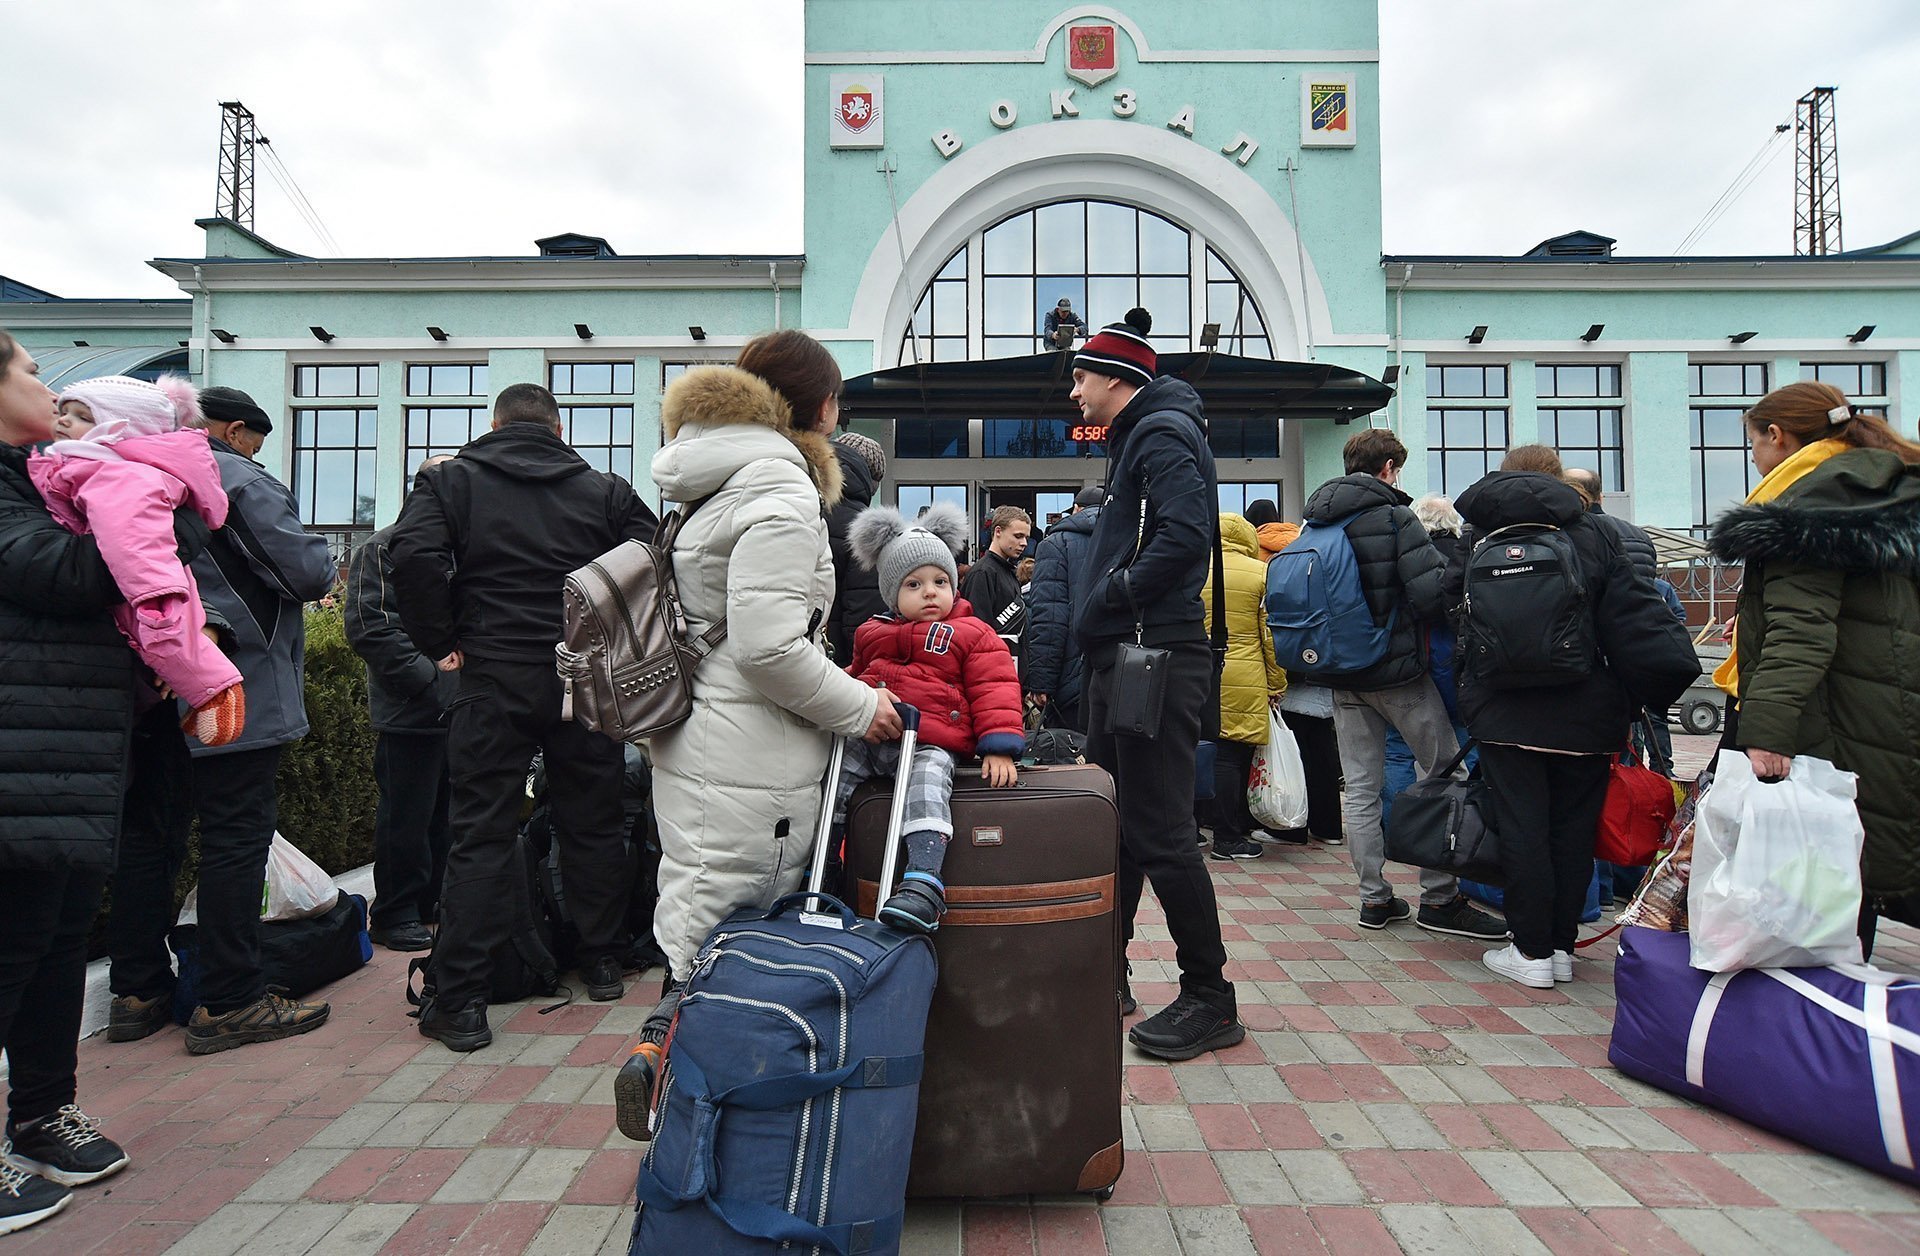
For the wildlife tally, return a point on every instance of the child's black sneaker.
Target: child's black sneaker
(633, 1085)
(65, 1147)
(917, 905)
(26, 1198)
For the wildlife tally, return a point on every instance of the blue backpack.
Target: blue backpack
(1317, 608)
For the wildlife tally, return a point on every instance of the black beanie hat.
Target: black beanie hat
(229, 405)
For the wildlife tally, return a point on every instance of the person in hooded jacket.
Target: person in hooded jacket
(1251, 683)
(1149, 557)
(1054, 672)
(480, 553)
(1305, 708)
(407, 697)
(1400, 574)
(1545, 750)
(856, 593)
(1826, 652)
(736, 788)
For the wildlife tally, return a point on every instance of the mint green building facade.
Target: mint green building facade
(968, 165)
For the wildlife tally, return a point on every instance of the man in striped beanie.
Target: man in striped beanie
(1145, 587)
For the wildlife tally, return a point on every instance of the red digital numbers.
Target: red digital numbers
(1089, 433)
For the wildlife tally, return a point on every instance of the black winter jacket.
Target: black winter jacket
(1160, 470)
(992, 587)
(1062, 568)
(66, 688)
(483, 546)
(1648, 658)
(856, 591)
(1399, 567)
(406, 691)
(1633, 542)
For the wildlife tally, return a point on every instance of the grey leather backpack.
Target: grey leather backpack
(625, 656)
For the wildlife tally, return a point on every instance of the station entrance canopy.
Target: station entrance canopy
(62, 367)
(1039, 387)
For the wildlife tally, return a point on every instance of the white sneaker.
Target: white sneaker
(1563, 965)
(1511, 964)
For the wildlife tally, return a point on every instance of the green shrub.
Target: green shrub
(327, 794)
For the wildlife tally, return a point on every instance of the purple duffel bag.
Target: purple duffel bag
(1823, 1056)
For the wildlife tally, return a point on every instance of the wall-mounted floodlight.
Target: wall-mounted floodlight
(1209, 335)
(697, 332)
(437, 334)
(1593, 332)
(1741, 337)
(1390, 376)
(224, 336)
(321, 334)
(81, 344)
(1862, 334)
(1478, 334)
(583, 331)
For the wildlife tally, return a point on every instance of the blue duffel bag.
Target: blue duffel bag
(786, 1106)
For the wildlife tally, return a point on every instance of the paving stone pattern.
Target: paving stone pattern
(1391, 1096)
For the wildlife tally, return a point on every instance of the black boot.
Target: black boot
(917, 905)
(633, 1085)
(461, 1029)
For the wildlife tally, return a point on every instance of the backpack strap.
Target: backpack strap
(708, 641)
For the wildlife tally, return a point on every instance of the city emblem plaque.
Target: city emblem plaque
(1093, 53)
(1327, 111)
(858, 107)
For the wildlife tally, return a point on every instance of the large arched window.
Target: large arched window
(991, 297)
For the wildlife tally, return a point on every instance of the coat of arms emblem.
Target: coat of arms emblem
(1093, 53)
(856, 108)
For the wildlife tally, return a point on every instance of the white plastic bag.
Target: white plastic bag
(1776, 868)
(1277, 785)
(295, 888)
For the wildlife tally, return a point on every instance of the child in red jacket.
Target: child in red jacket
(929, 651)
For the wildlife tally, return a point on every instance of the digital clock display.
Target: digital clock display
(1088, 433)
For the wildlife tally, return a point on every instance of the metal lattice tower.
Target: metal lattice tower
(1816, 176)
(233, 199)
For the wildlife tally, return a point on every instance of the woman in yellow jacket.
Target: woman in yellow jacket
(1251, 681)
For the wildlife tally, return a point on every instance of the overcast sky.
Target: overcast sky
(433, 127)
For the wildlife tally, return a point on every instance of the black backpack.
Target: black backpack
(522, 966)
(1525, 621)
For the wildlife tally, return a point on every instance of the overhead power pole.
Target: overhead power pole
(1816, 176)
(233, 199)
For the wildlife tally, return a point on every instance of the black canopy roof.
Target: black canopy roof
(1038, 387)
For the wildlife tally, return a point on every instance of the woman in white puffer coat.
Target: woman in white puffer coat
(737, 786)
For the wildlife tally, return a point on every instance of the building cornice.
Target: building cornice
(1513, 274)
(171, 312)
(226, 274)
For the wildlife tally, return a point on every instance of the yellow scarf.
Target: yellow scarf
(1726, 677)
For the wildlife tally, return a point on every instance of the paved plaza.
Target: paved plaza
(1388, 1097)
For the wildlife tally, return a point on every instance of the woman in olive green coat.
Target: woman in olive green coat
(1826, 655)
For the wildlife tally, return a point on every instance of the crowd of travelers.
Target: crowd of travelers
(153, 578)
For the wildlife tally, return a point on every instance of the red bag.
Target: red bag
(1633, 823)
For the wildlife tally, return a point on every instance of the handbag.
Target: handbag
(1635, 816)
(1446, 823)
(1277, 782)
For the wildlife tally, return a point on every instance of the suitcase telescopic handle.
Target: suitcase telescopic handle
(822, 845)
(890, 864)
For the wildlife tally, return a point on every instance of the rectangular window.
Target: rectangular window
(930, 438)
(1246, 438)
(333, 466)
(1592, 433)
(436, 430)
(1859, 380)
(940, 322)
(591, 379)
(916, 499)
(603, 435)
(1728, 379)
(1466, 437)
(1040, 438)
(1234, 497)
(336, 381)
(670, 371)
(454, 380)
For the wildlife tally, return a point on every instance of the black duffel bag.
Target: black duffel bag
(296, 956)
(1446, 823)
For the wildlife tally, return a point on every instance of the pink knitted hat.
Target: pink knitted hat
(123, 406)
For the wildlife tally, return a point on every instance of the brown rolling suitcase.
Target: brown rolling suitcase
(1022, 1089)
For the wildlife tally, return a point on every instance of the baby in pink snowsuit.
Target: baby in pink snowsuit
(130, 465)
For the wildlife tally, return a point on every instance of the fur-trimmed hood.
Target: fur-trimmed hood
(717, 419)
(1858, 511)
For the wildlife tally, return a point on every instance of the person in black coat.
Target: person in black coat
(856, 590)
(1147, 561)
(992, 584)
(1545, 750)
(480, 553)
(1053, 671)
(66, 714)
(1400, 574)
(1633, 540)
(407, 697)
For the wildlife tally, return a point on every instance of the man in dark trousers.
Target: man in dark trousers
(1144, 586)
(480, 553)
(407, 696)
(993, 585)
(1053, 672)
